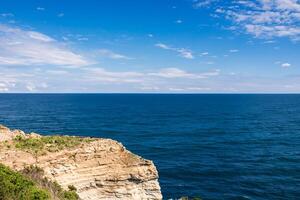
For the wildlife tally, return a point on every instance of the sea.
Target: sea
(213, 146)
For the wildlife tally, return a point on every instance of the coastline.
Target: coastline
(97, 168)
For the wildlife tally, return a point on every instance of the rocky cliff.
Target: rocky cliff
(98, 168)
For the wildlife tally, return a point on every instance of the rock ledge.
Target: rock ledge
(99, 169)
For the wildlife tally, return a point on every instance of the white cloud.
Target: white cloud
(40, 8)
(263, 18)
(163, 46)
(273, 31)
(175, 89)
(112, 55)
(178, 21)
(93, 79)
(285, 65)
(233, 50)
(179, 73)
(103, 75)
(269, 42)
(22, 47)
(27, 80)
(82, 39)
(6, 14)
(35, 87)
(60, 14)
(204, 54)
(293, 5)
(172, 73)
(144, 80)
(216, 72)
(198, 88)
(203, 3)
(185, 53)
(189, 89)
(39, 36)
(57, 72)
(30, 87)
(3, 87)
(150, 88)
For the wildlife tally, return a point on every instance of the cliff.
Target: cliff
(98, 168)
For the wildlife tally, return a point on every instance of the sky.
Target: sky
(150, 46)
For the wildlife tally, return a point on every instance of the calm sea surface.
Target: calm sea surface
(213, 146)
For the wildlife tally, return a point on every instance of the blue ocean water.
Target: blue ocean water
(213, 146)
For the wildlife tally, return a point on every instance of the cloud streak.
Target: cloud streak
(185, 53)
(285, 65)
(40, 8)
(179, 73)
(32, 79)
(22, 47)
(112, 55)
(203, 3)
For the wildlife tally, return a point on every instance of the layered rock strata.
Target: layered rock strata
(99, 169)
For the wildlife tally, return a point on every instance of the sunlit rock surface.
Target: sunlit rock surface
(100, 169)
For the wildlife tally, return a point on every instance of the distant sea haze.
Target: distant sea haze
(212, 146)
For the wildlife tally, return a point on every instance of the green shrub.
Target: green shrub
(31, 145)
(69, 195)
(36, 194)
(39, 146)
(56, 191)
(14, 186)
(72, 188)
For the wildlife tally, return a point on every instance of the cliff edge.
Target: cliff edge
(97, 168)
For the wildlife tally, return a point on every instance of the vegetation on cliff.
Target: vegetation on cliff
(56, 192)
(30, 184)
(42, 145)
(15, 186)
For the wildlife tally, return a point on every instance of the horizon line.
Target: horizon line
(156, 93)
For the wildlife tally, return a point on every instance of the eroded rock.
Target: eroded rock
(99, 169)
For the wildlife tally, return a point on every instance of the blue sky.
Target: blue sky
(148, 46)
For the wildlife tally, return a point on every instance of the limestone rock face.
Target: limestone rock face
(100, 169)
(6, 134)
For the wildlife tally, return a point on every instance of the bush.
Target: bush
(31, 145)
(56, 191)
(14, 186)
(70, 195)
(72, 188)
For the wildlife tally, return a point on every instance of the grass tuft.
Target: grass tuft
(42, 145)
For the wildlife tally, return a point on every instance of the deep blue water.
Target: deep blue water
(213, 146)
